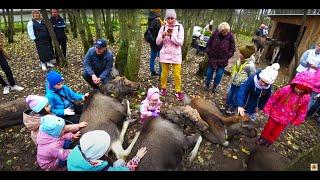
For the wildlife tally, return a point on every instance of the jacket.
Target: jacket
(220, 49)
(58, 26)
(100, 66)
(250, 97)
(241, 72)
(154, 24)
(285, 106)
(146, 109)
(171, 46)
(57, 103)
(50, 150)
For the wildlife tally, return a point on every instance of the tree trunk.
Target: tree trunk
(87, 26)
(65, 19)
(292, 69)
(81, 30)
(22, 25)
(122, 55)
(73, 24)
(10, 25)
(11, 112)
(109, 26)
(53, 36)
(5, 22)
(135, 43)
(97, 22)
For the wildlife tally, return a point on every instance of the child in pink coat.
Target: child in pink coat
(150, 107)
(53, 141)
(287, 105)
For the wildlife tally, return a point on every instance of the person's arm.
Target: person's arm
(60, 153)
(303, 59)
(30, 31)
(54, 109)
(208, 48)
(243, 93)
(178, 36)
(62, 24)
(301, 111)
(276, 96)
(86, 63)
(232, 46)
(108, 69)
(159, 39)
(144, 109)
(264, 99)
(73, 95)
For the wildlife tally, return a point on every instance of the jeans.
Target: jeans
(217, 78)
(7, 70)
(231, 96)
(314, 106)
(153, 55)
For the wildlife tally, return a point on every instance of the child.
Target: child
(53, 141)
(242, 69)
(286, 106)
(61, 98)
(256, 90)
(150, 107)
(93, 145)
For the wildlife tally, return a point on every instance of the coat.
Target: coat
(154, 24)
(59, 25)
(285, 106)
(220, 49)
(171, 46)
(146, 109)
(250, 97)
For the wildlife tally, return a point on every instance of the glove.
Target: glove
(68, 111)
(241, 111)
(154, 114)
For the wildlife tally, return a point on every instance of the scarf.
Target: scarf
(256, 83)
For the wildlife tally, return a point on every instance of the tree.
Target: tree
(97, 23)
(81, 29)
(22, 25)
(108, 25)
(73, 25)
(87, 26)
(65, 19)
(10, 25)
(54, 38)
(5, 22)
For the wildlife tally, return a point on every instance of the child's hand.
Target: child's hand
(141, 152)
(76, 135)
(154, 114)
(83, 124)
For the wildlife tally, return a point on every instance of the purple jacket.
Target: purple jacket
(50, 150)
(220, 49)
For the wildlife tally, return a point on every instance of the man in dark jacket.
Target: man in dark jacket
(59, 26)
(154, 24)
(98, 64)
(220, 49)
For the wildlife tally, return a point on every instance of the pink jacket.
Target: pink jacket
(50, 150)
(171, 47)
(145, 108)
(285, 106)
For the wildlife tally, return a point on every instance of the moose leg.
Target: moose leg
(118, 150)
(191, 140)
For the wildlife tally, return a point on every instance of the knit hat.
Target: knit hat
(171, 13)
(270, 73)
(156, 11)
(153, 92)
(100, 43)
(247, 51)
(54, 78)
(36, 103)
(52, 125)
(94, 144)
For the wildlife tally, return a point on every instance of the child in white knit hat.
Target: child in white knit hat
(93, 146)
(256, 90)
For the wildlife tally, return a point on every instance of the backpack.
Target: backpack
(148, 36)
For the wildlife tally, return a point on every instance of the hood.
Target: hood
(306, 78)
(44, 139)
(152, 15)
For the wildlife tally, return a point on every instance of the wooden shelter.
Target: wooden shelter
(286, 27)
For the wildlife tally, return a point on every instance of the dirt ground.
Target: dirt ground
(18, 152)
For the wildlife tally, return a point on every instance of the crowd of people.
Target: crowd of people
(53, 119)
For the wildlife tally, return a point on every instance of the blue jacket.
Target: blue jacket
(76, 162)
(100, 66)
(59, 104)
(249, 97)
(59, 26)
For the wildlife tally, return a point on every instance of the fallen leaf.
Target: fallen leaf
(234, 157)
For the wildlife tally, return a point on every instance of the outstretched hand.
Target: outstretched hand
(141, 152)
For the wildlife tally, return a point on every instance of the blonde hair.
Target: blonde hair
(35, 11)
(224, 25)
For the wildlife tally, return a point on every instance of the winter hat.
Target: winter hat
(94, 144)
(100, 43)
(270, 73)
(52, 125)
(36, 103)
(156, 11)
(54, 78)
(305, 78)
(247, 51)
(153, 92)
(171, 13)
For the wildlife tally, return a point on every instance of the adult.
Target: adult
(171, 36)
(220, 49)
(98, 64)
(38, 33)
(154, 24)
(256, 90)
(7, 70)
(59, 25)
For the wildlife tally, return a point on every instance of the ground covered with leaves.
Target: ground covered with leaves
(18, 152)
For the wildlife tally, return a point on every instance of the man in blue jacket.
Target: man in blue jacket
(98, 64)
(59, 25)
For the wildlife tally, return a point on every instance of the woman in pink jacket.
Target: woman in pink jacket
(171, 37)
(53, 141)
(150, 107)
(287, 105)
